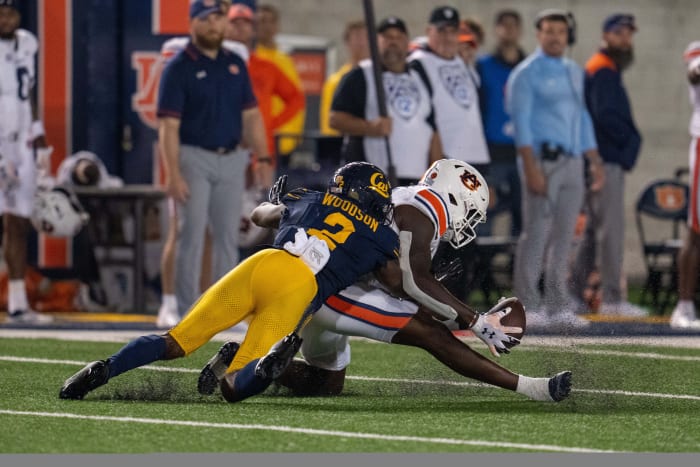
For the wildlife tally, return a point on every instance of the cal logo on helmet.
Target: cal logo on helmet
(379, 183)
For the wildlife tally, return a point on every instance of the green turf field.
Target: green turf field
(627, 398)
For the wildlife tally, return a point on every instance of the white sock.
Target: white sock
(170, 302)
(17, 296)
(534, 388)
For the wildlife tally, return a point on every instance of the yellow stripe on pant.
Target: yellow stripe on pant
(272, 288)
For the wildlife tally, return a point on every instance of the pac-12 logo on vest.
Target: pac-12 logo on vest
(144, 101)
(454, 79)
(403, 95)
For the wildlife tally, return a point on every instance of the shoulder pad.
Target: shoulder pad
(27, 40)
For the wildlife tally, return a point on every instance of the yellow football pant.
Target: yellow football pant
(272, 289)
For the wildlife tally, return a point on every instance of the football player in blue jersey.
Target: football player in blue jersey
(326, 241)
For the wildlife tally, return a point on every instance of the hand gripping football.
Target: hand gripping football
(513, 313)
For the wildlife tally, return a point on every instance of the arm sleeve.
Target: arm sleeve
(519, 102)
(607, 107)
(351, 94)
(171, 93)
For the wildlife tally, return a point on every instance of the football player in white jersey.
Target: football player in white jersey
(447, 204)
(21, 132)
(684, 316)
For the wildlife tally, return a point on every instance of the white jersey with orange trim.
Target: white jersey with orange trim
(428, 202)
(365, 309)
(694, 91)
(17, 167)
(17, 78)
(177, 44)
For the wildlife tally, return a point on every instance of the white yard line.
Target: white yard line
(10, 358)
(308, 431)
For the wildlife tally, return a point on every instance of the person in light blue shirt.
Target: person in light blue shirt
(553, 133)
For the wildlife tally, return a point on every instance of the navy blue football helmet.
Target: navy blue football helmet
(367, 186)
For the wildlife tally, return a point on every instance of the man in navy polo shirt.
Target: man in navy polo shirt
(207, 110)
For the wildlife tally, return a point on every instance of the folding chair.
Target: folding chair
(662, 208)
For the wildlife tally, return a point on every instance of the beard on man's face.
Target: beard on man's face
(210, 39)
(623, 58)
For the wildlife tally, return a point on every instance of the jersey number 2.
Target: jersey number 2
(333, 239)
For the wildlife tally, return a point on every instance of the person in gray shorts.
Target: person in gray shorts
(207, 111)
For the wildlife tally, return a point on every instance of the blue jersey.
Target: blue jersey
(358, 243)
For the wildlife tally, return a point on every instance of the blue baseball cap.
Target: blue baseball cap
(10, 4)
(200, 9)
(619, 20)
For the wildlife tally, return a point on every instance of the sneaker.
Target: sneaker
(683, 317)
(272, 365)
(167, 317)
(93, 376)
(216, 367)
(560, 386)
(28, 317)
(623, 309)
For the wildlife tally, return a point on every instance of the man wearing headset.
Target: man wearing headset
(553, 133)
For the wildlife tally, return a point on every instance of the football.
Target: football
(515, 318)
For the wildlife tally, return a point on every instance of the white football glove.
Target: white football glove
(489, 329)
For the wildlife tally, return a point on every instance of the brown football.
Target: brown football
(515, 318)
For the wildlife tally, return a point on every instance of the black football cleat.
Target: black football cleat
(560, 386)
(93, 376)
(272, 365)
(216, 367)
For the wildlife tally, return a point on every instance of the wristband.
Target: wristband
(474, 320)
(37, 129)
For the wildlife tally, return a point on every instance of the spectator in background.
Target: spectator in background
(454, 94)
(20, 131)
(268, 80)
(268, 26)
(168, 314)
(355, 39)
(472, 26)
(410, 125)
(453, 90)
(206, 108)
(619, 143)
(684, 315)
(471, 37)
(494, 69)
(553, 131)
